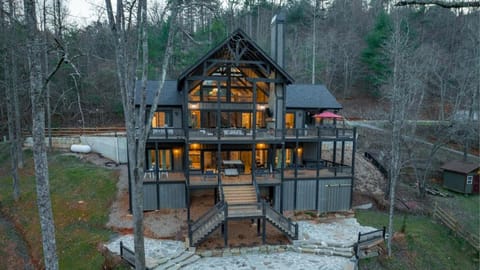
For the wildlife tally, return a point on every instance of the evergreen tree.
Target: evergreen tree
(373, 55)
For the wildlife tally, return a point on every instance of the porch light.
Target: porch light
(261, 107)
(193, 106)
(195, 146)
(261, 146)
(176, 151)
(299, 150)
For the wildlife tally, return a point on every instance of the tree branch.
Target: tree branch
(440, 3)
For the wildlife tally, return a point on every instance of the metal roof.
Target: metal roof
(311, 96)
(302, 96)
(169, 95)
(460, 166)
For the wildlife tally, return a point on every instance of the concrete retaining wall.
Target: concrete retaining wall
(57, 142)
(111, 147)
(114, 148)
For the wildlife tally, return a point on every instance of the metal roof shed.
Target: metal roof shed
(461, 176)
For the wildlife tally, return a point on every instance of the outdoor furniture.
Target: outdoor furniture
(233, 132)
(231, 172)
(149, 173)
(209, 174)
(163, 172)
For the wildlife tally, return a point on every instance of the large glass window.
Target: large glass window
(195, 161)
(239, 91)
(162, 119)
(290, 120)
(194, 119)
(164, 159)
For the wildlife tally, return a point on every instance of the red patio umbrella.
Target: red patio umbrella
(327, 114)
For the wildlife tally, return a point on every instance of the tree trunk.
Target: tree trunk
(11, 131)
(136, 122)
(14, 89)
(45, 65)
(38, 132)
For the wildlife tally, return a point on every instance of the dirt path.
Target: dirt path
(13, 250)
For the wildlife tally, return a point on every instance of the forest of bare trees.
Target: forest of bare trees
(422, 58)
(347, 55)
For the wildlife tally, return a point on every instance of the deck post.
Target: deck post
(225, 227)
(264, 227)
(258, 227)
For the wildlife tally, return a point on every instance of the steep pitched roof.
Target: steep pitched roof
(169, 95)
(255, 53)
(459, 166)
(311, 96)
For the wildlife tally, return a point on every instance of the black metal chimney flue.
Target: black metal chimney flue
(277, 43)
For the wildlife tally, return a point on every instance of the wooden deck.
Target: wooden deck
(274, 178)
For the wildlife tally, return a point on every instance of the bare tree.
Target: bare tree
(403, 91)
(6, 33)
(37, 88)
(132, 53)
(14, 88)
(440, 3)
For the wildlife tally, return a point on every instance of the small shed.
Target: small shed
(461, 176)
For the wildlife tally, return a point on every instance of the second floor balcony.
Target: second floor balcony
(244, 134)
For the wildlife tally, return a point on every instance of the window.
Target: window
(164, 159)
(161, 119)
(290, 120)
(195, 162)
(469, 180)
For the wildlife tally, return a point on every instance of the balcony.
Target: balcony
(245, 134)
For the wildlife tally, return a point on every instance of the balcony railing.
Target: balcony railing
(249, 134)
(167, 133)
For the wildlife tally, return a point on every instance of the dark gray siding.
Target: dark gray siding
(149, 196)
(171, 195)
(288, 195)
(306, 197)
(454, 181)
(277, 198)
(333, 195)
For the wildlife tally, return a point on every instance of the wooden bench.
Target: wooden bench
(128, 255)
(368, 244)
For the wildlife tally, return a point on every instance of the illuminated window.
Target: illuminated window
(162, 119)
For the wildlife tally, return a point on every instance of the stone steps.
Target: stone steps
(182, 260)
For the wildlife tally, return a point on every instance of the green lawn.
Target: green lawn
(426, 245)
(464, 208)
(81, 196)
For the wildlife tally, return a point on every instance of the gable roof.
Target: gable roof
(460, 166)
(169, 95)
(311, 96)
(255, 53)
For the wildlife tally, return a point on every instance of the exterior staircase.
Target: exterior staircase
(242, 201)
(207, 223)
(285, 225)
(236, 202)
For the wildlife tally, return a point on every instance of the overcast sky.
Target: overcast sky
(85, 11)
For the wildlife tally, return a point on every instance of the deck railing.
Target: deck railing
(280, 221)
(207, 223)
(167, 133)
(248, 134)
